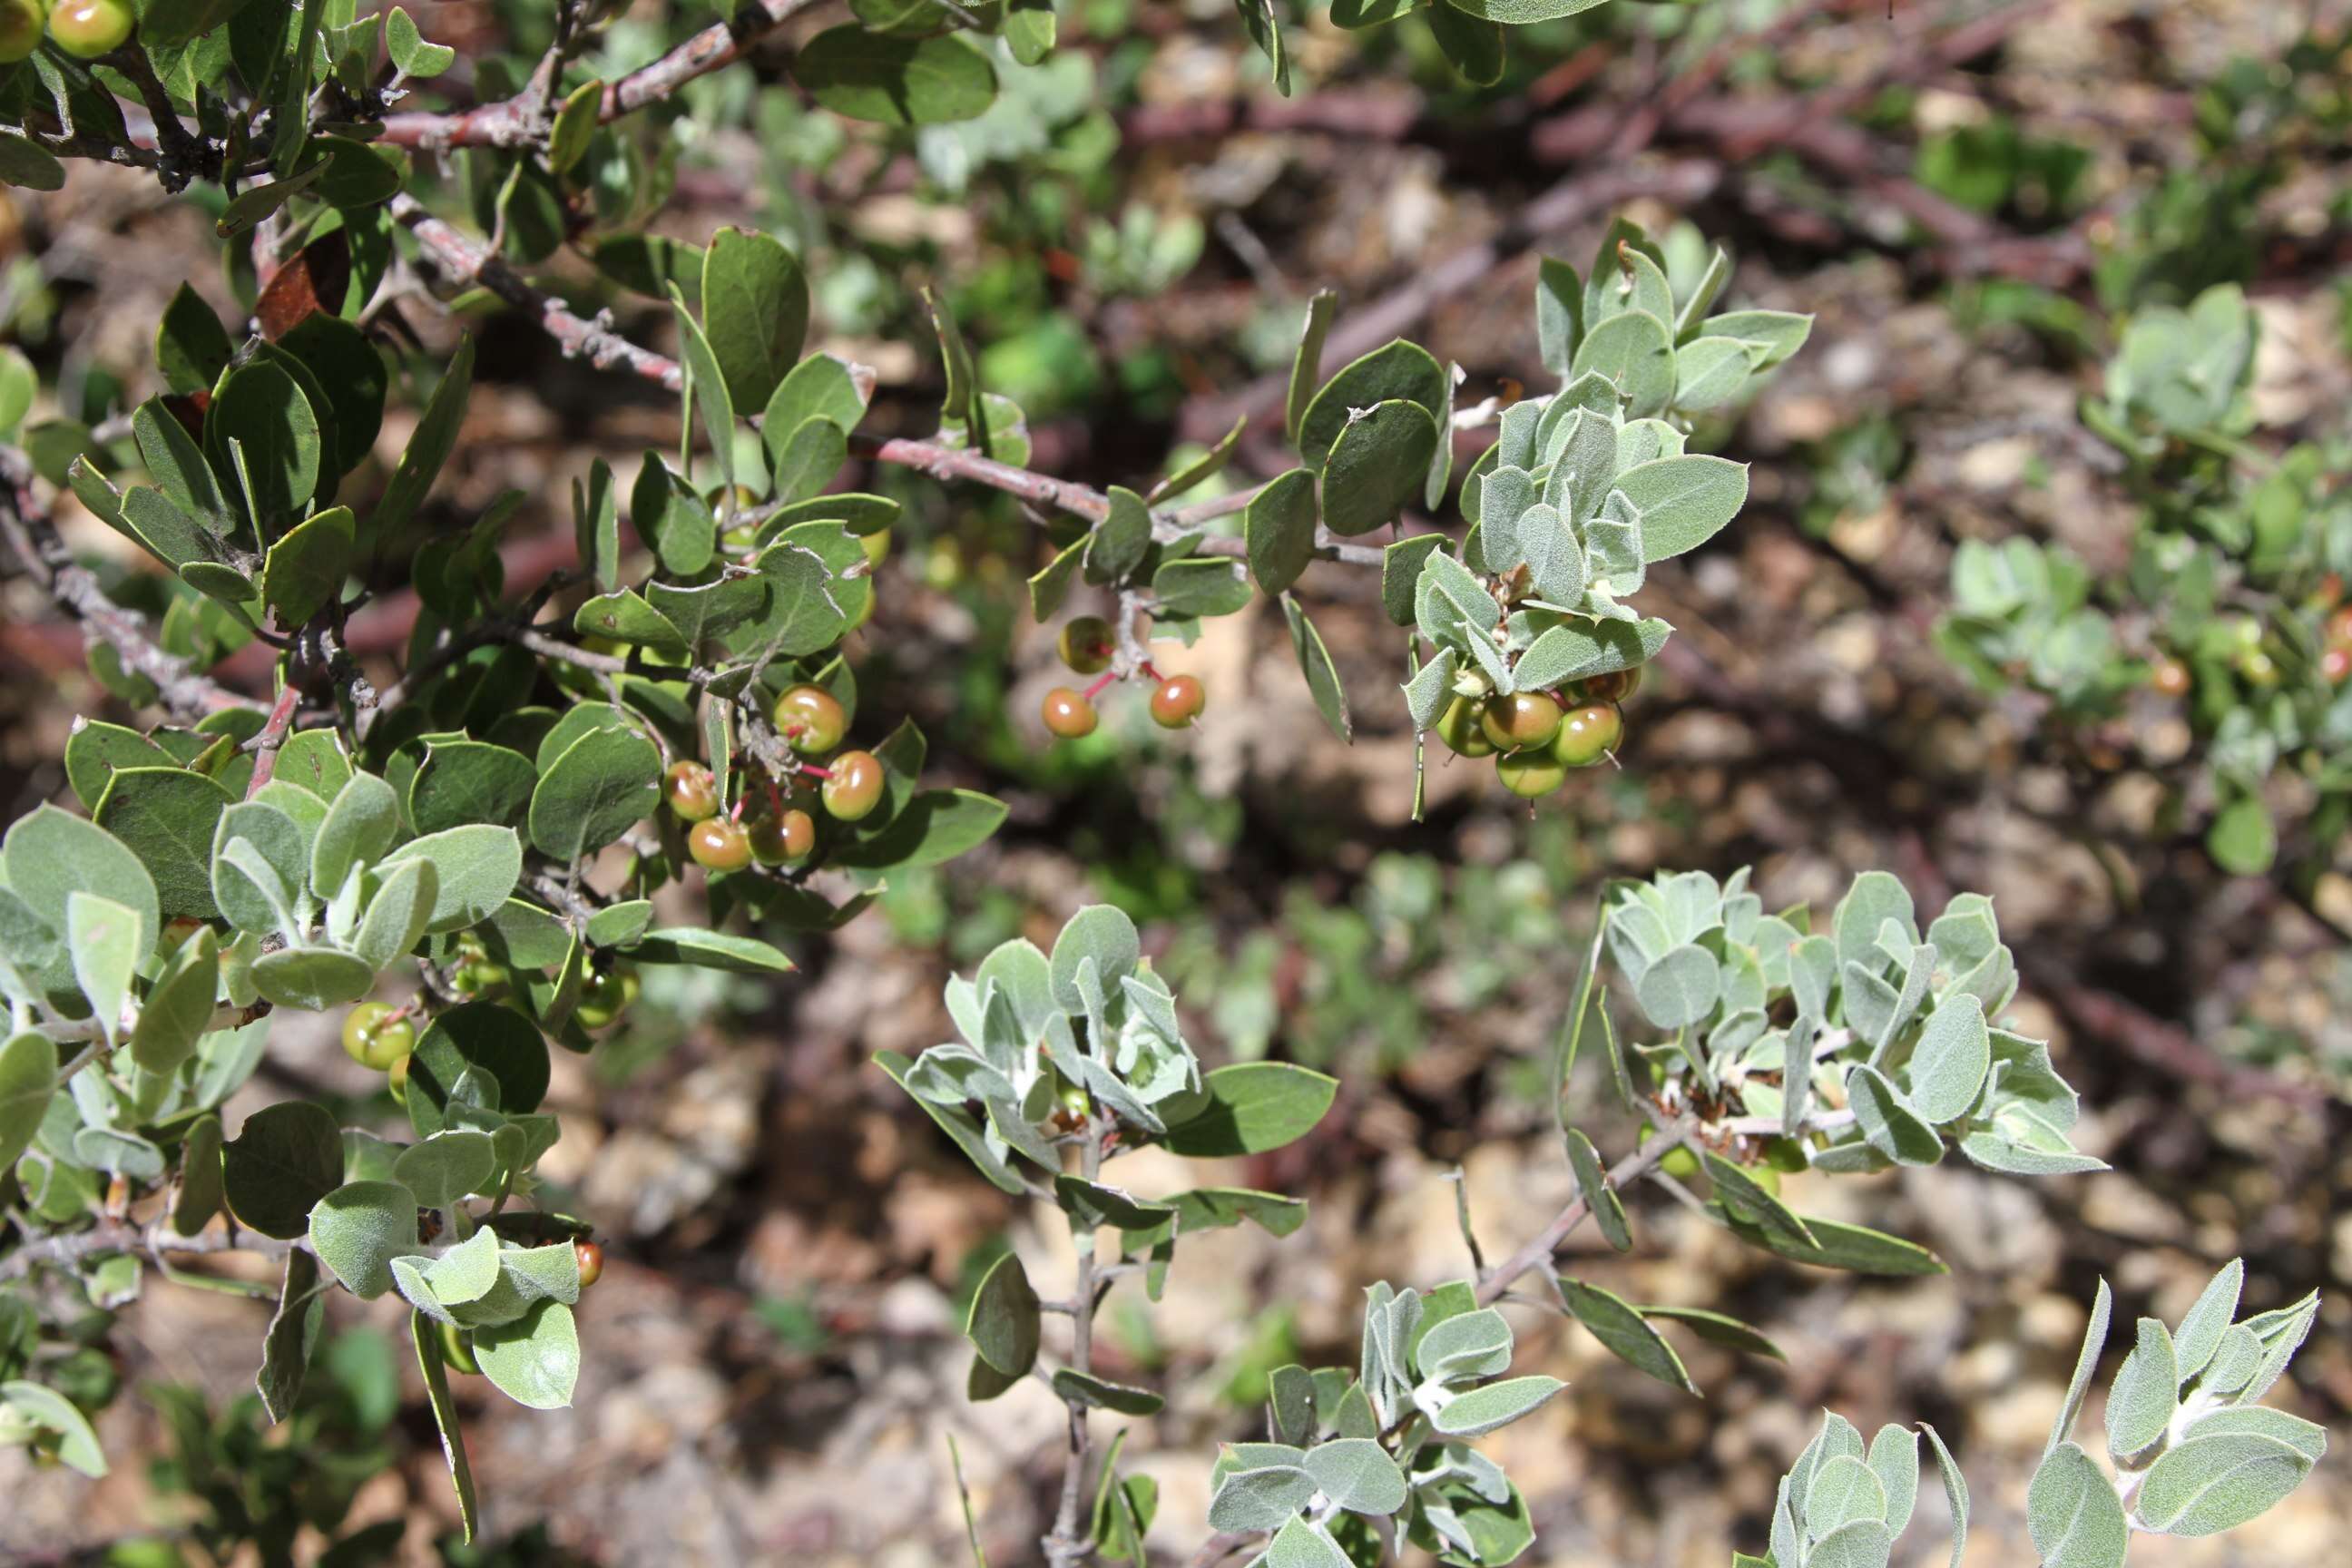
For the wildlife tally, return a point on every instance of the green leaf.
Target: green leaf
(705, 386)
(476, 867)
(1949, 1063)
(363, 822)
(179, 1006)
(426, 1336)
(1636, 353)
(1621, 1329)
(1955, 1493)
(1358, 1474)
(1684, 501)
(2086, 1364)
(304, 571)
(1680, 987)
(1101, 1394)
(1306, 363)
(933, 828)
(575, 125)
(1774, 334)
(28, 166)
(534, 1361)
(1202, 587)
(49, 854)
(2146, 1393)
(281, 1163)
(1119, 543)
(1252, 1106)
(167, 817)
(1483, 1409)
(462, 781)
(482, 1038)
(1889, 1122)
(1592, 1184)
(261, 414)
(260, 861)
(895, 80)
(1400, 567)
(709, 950)
(2073, 1513)
(1278, 529)
(192, 347)
(1375, 465)
(47, 1410)
(178, 467)
(1002, 1324)
(28, 1079)
(1718, 1329)
(1396, 371)
(1322, 675)
(2243, 840)
(803, 462)
(313, 760)
(958, 1124)
(411, 55)
(1560, 314)
(359, 1228)
(96, 751)
(429, 447)
(2212, 1483)
(2201, 1331)
(1849, 1246)
(755, 310)
(453, 1163)
(819, 387)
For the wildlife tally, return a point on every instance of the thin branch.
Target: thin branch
(1068, 1545)
(1539, 1250)
(518, 123)
(32, 538)
(121, 1236)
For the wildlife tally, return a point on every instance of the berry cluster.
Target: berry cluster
(1086, 647)
(1536, 737)
(85, 29)
(780, 829)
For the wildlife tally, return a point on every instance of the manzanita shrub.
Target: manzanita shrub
(464, 863)
(2229, 616)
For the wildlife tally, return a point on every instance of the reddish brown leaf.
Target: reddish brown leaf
(313, 281)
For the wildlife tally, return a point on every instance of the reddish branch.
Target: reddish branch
(524, 120)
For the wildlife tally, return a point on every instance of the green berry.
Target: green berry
(1587, 735)
(1460, 729)
(89, 29)
(21, 22)
(855, 787)
(377, 1035)
(877, 546)
(1086, 644)
(603, 999)
(1521, 721)
(1532, 773)
(1068, 714)
(1178, 701)
(397, 1081)
(690, 789)
(719, 844)
(812, 719)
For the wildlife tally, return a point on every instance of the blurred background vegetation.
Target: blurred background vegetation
(1975, 197)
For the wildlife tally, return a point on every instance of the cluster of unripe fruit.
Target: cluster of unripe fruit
(1536, 738)
(1087, 648)
(85, 29)
(782, 832)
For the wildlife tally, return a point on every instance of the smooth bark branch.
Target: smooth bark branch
(521, 122)
(121, 1235)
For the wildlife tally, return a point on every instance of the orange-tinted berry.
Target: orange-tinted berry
(591, 1262)
(1069, 714)
(1178, 701)
(784, 840)
(1587, 735)
(812, 719)
(2169, 677)
(1523, 721)
(855, 787)
(690, 791)
(1615, 686)
(719, 844)
(89, 29)
(2335, 664)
